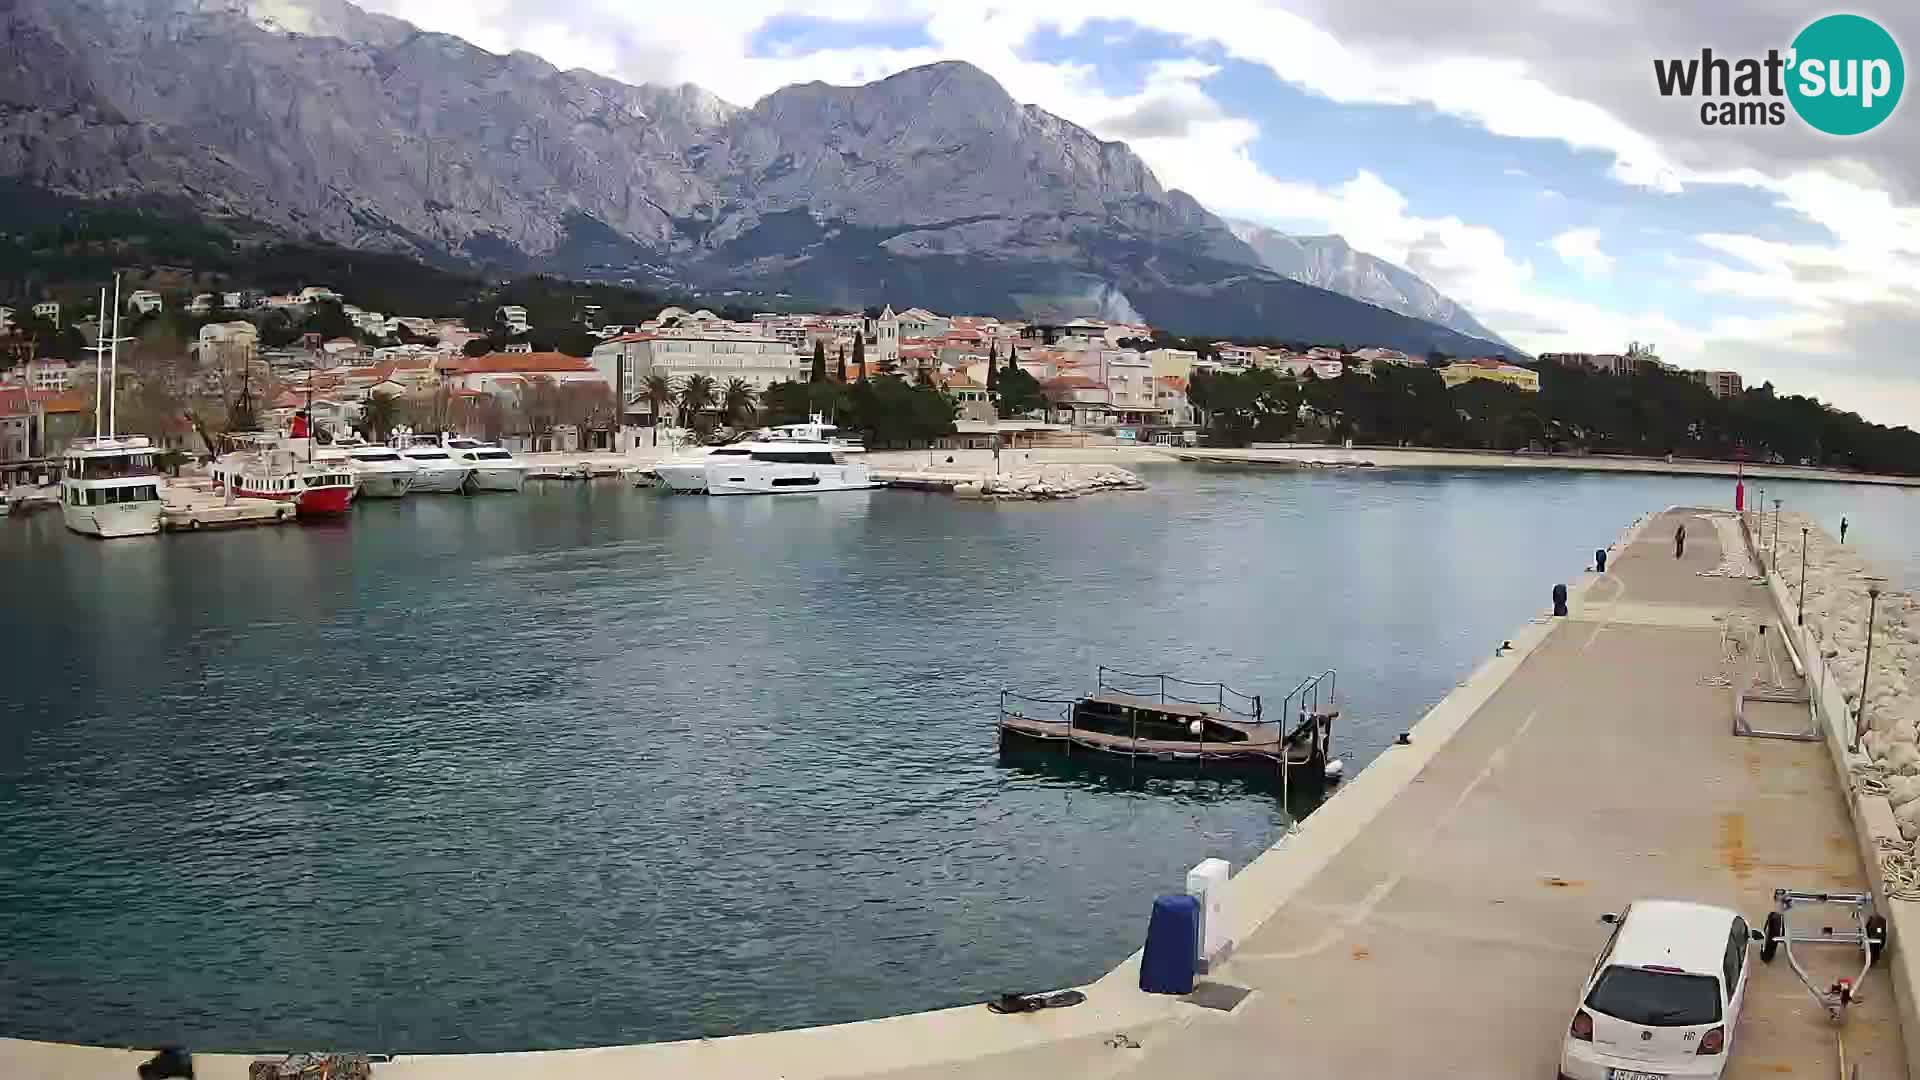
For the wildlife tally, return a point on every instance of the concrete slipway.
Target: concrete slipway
(1436, 917)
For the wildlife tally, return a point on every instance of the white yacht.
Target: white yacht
(766, 467)
(434, 469)
(381, 471)
(494, 467)
(110, 486)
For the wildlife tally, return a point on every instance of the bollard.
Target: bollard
(1167, 962)
(1600, 560)
(1559, 599)
(1205, 882)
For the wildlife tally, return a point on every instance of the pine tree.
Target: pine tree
(819, 372)
(840, 358)
(860, 355)
(993, 367)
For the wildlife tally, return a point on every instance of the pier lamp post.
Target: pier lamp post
(1866, 668)
(1801, 619)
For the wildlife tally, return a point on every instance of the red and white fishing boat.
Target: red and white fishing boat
(266, 467)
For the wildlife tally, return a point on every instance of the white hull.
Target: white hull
(440, 481)
(768, 478)
(384, 485)
(683, 475)
(499, 478)
(114, 520)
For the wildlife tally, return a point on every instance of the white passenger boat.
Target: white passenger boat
(381, 471)
(110, 486)
(494, 468)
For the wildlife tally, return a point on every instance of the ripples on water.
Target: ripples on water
(592, 766)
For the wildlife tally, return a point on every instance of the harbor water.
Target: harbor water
(590, 765)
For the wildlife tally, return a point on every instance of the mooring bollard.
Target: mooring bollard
(1173, 935)
(1205, 883)
(1559, 599)
(1599, 560)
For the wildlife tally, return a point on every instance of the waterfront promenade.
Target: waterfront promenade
(1438, 916)
(1388, 457)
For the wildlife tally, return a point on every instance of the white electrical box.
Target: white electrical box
(1205, 883)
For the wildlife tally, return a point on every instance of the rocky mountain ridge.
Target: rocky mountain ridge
(932, 186)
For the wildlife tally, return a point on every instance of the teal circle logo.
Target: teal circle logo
(1846, 74)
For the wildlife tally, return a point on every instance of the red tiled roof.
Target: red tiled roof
(1072, 382)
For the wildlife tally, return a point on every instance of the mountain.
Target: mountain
(1331, 263)
(930, 187)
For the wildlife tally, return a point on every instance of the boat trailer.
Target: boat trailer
(1869, 935)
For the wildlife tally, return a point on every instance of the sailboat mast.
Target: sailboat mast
(99, 359)
(113, 368)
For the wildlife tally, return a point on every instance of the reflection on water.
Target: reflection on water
(591, 765)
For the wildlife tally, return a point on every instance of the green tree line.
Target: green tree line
(1651, 412)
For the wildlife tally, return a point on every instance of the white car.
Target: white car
(1664, 997)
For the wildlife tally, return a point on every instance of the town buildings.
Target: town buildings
(1721, 384)
(721, 355)
(1491, 369)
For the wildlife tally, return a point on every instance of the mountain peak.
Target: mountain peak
(1329, 262)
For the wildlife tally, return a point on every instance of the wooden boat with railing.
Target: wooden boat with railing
(1132, 718)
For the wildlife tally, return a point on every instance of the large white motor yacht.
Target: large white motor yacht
(494, 468)
(434, 469)
(773, 467)
(381, 471)
(110, 487)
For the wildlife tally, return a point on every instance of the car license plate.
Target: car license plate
(1630, 1074)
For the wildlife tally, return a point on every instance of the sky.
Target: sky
(1520, 159)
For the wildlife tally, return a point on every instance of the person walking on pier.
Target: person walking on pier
(1680, 541)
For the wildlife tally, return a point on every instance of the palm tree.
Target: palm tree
(381, 414)
(696, 396)
(736, 401)
(659, 393)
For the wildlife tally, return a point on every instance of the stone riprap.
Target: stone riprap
(1836, 610)
(1051, 482)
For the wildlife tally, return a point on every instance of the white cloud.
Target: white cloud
(1580, 248)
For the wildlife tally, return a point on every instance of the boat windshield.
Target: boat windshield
(493, 455)
(377, 456)
(428, 455)
(80, 467)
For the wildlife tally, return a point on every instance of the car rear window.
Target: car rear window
(1656, 998)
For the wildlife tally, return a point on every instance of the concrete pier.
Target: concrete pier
(1439, 915)
(192, 505)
